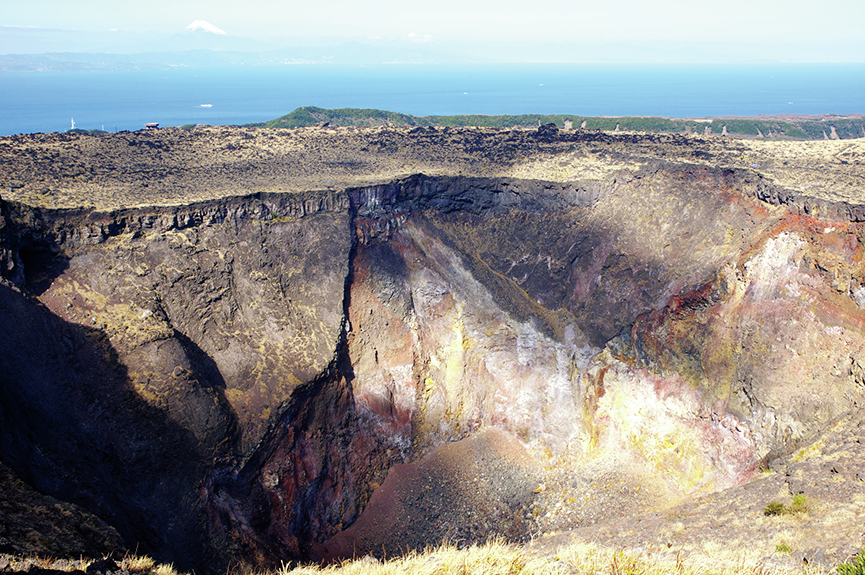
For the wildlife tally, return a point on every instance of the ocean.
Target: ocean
(48, 101)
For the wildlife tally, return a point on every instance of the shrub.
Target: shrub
(856, 567)
(799, 505)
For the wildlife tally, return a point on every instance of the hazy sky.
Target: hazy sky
(812, 23)
(515, 20)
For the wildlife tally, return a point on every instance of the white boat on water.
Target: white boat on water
(207, 105)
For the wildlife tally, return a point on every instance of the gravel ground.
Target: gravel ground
(462, 492)
(729, 527)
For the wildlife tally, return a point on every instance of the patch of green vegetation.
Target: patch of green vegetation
(856, 567)
(849, 128)
(503, 121)
(782, 548)
(774, 508)
(808, 452)
(307, 116)
(639, 124)
(799, 505)
(797, 133)
(86, 132)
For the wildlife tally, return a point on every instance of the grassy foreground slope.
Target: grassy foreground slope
(780, 127)
(498, 558)
(492, 558)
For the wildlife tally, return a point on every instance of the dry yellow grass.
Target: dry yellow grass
(137, 564)
(20, 563)
(498, 558)
(492, 558)
(164, 570)
(143, 565)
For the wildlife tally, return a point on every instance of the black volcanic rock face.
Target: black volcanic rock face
(35, 524)
(74, 428)
(269, 377)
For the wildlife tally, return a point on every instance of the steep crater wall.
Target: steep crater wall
(234, 380)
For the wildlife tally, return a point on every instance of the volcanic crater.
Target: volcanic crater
(258, 346)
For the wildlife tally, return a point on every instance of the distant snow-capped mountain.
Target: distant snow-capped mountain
(203, 26)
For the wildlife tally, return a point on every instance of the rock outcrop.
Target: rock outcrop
(276, 376)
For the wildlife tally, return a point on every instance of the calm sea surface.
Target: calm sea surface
(46, 102)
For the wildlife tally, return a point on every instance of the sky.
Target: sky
(830, 29)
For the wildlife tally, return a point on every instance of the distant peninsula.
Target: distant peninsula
(780, 127)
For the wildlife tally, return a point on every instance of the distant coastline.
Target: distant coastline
(780, 127)
(774, 127)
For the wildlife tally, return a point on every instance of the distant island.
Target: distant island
(779, 127)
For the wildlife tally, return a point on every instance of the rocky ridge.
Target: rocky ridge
(591, 326)
(175, 167)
